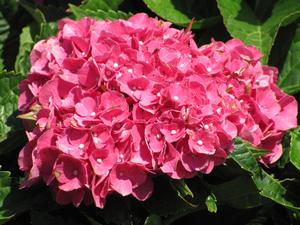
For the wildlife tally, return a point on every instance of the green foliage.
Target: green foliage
(183, 191)
(22, 63)
(295, 148)
(101, 4)
(211, 203)
(99, 9)
(8, 104)
(30, 35)
(266, 184)
(5, 189)
(36, 13)
(245, 197)
(242, 188)
(181, 12)
(242, 23)
(290, 75)
(4, 31)
(170, 203)
(98, 14)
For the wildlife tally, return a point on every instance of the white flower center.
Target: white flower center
(200, 142)
(99, 160)
(96, 140)
(118, 75)
(176, 98)
(173, 131)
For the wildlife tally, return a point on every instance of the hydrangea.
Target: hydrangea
(115, 103)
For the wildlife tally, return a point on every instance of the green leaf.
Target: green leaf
(153, 220)
(173, 11)
(295, 148)
(47, 30)
(289, 79)
(36, 13)
(98, 14)
(245, 197)
(267, 185)
(242, 23)
(23, 200)
(4, 185)
(30, 35)
(169, 203)
(52, 12)
(5, 181)
(4, 32)
(285, 158)
(257, 152)
(9, 7)
(99, 9)
(183, 191)
(211, 203)
(8, 105)
(22, 64)
(182, 188)
(101, 4)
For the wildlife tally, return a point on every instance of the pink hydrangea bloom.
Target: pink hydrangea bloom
(117, 102)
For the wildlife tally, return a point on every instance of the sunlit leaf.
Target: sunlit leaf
(289, 79)
(211, 203)
(241, 22)
(267, 185)
(8, 105)
(295, 148)
(174, 11)
(4, 32)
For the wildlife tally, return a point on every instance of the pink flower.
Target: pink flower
(114, 108)
(154, 138)
(116, 102)
(102, 161)
(127, 178)
(70, 173)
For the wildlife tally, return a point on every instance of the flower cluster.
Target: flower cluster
(116, 102)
